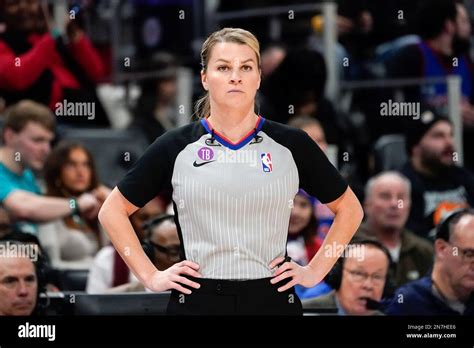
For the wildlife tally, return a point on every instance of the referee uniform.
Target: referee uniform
(232, 204)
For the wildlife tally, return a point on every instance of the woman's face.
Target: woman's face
(232, 76)
(300, 214)
(76, 174)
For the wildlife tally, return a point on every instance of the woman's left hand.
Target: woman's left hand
(302, 275)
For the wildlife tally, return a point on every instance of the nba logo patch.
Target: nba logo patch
(266, 162)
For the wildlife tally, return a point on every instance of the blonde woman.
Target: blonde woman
(234, 175)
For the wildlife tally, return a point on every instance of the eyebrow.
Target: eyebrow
(226, 61)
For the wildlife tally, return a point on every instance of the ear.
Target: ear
(440, 248)
(8, 135)
(259, 79)
(204, 80)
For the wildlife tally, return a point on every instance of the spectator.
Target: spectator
(438, 185)
(313, 128)
(18, 283)
(27, 133)
(156, 109)
(72, 241)
(449, 289)
(302, 244)
(142, 215)
(36, 66)
(161, 245)
(387, 205)
(358, 279)
(441, 52)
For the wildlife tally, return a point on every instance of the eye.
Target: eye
(246, 68)
(222, 68)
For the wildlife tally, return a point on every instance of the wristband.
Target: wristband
(74, 207)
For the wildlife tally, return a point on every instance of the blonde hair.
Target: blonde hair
(202, 107)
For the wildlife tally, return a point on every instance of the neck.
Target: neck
(388, 236)
(232, 123)
(419, 167)
(442, 44)
(7, 157)
(447, 290)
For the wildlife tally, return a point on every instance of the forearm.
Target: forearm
(114, 218)
(27, 205)
(346, 222)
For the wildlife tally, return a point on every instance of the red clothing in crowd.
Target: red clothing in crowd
(18, 73)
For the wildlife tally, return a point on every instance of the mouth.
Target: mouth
(235, 91)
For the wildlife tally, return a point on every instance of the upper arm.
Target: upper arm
(318, 177)
(148, 176)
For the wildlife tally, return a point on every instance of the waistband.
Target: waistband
(226, 286)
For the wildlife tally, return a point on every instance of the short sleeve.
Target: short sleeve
(150, 174)
(5, 188)
(318, 177)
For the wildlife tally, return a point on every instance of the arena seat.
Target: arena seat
(389, 152)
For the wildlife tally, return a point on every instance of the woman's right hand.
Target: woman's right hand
(172, 278)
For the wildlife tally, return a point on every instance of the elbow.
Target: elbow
(102, 216)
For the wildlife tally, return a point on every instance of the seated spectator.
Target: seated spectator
(438, 185)
(313, 128)
(48, 276)
(449, 289)
(161, 245)
(35, 65)
(72, 241)
(386, 206)
(358, 279)
(443, 51)
(18, 283)
(156, 109)
(27, 133)
(302, 244)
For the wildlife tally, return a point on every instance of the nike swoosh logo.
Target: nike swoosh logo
(201, 164)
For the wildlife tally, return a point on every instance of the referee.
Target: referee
(234, 176)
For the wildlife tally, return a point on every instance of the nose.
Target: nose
(368, 284)
(22, 290)
(235, 76)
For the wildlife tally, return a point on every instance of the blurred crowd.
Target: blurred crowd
(417, 239)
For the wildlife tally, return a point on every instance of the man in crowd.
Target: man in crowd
(18, 283)
(358, 280)
(27, 134)
(438, 184)
(449, 289)
(387, 205)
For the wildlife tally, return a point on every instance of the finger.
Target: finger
(287, 286)
(180, 288)
(286, 266)
(189, 264)
(282, 276)
(189, 271)
(277, 261)
(188, 282)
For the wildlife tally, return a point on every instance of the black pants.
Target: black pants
(231, 297)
